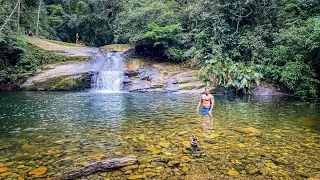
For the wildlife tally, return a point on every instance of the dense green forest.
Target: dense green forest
(235, 43)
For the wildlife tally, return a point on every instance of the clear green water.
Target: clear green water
(248, 138)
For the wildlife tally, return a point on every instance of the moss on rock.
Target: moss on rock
(61, 83)
(185, 81)
(188, 87)
(64, 43)
(80, 58)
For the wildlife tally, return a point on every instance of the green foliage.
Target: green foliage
(55, 14)
(93, 20)
(295, 57)
(234, 43)
(221, 70)
(132, 25)
(17, 58)
(11, 51)
(300, 78)
(167, 36)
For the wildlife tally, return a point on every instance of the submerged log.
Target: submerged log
(97, 167)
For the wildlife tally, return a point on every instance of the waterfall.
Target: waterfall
(110, 76)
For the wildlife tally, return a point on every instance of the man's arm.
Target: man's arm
(212, 104)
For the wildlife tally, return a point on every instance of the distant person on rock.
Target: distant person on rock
(207, 103)
(77, 38)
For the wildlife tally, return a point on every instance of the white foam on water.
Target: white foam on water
(110, 78)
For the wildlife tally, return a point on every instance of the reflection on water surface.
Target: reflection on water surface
(250, 137)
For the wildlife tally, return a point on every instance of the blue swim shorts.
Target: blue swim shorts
(205, 111)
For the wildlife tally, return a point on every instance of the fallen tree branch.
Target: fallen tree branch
(97, 167)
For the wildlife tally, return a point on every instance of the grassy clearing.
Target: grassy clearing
(117, 47)
(64, 43)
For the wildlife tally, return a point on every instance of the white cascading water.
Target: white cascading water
(110, 76)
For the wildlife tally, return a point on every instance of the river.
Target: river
(248, 138)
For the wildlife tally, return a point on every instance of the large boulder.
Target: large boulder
(172, 81)
(137, 86)
(61, 83)
(126, 83)
(145, 74)
(249, 131)
(265, 91)
(182, 78)
(131, 73)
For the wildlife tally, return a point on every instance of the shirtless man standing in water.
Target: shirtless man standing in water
(207, 102)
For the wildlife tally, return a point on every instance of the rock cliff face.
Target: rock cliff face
(72, 75)
(65, 76)
(143, 76)
(140, 75)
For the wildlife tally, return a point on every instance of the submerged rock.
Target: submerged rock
(185, 158)
(3, 169)
(137, 86)
(233, 173)
(127, 168)
(137, 176)
(185, 169)
(38, 171)
(279, 161)
(4, 145)
(250, 131)
(156, 152)
(253, 171)
(164, 144)
(173, 163)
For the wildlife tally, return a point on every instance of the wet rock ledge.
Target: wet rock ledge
(153, 80)
(79, 81)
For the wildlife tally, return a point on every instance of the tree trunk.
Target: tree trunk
(37, 31)
(18, 19)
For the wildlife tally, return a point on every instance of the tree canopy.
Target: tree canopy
(234, 43)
